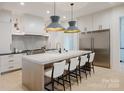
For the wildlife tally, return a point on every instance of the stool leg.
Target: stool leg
(58, 81)
(85, 73)
(69, 80)
(52, 85)
(93, 67)
(63, 82)
(80, 73)
(93, 70)
(76, 76)
(90, 73)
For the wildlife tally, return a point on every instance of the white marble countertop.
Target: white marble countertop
(46, 58)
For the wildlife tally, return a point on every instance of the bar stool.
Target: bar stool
(71, 69)
(92, 55)
(82, 68)
(89, 64)
(54, 73)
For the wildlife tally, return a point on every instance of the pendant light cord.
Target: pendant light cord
(72, 11)
(54, 8)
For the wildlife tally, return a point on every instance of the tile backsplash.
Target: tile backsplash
(28, 42)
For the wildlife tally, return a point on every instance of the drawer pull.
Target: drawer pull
(11, 67)
(10, 55)
(11, 60)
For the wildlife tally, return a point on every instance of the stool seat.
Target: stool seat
(55, 72)
(66, 66)
(48, 73)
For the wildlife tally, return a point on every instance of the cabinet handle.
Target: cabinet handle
(11, 60)
(11, 67)
(10, 20)
(10, 56)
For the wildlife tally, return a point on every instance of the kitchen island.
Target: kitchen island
(33, 67)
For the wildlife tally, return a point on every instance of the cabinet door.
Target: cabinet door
(85, 23)
(18, 60)
(7, 63)
(5, 16)
(102, 20)
(33, 25)
(0, 65)
(5, 37)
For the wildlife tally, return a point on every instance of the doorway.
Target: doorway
(122, 39)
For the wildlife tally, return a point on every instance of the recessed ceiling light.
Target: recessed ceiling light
(22, 3)
(47, 11)
(64, 17)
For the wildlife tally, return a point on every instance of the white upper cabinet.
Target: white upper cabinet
(5, 31)
(33, 24)
(102, 20)
(5, 16)
(5, 37)
(85, 23)
(95, 21)
(28, 25)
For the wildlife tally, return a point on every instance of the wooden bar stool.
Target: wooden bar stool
(71, 69)
(82, 68)
(54, 73)
(89, 64)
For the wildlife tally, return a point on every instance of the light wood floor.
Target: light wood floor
(103, 79)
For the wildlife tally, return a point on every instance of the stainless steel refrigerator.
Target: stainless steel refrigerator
(98, 42)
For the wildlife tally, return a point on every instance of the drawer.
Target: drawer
(7, 68)
(7, 62)
(7, 57)
(11, 58)
(11, 62)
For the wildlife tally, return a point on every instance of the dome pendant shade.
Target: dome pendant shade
(72, 28)
(55, 26)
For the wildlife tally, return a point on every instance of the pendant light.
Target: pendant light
(54, 25)
(72, 28)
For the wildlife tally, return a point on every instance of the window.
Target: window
(71, 41)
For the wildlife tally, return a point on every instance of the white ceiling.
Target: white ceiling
(62, 9)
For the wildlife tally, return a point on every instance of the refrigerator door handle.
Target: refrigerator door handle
(93, 44)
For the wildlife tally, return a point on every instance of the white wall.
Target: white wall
(117, 12)
(113, 17)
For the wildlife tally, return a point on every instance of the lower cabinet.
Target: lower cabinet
(10, 62)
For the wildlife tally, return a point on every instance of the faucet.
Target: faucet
(58, 46)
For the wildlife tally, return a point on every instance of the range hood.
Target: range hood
(30, 34)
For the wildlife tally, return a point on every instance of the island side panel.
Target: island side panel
(32, 75)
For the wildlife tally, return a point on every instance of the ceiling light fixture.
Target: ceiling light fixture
(47, 11)
(64, 17)
(54, 25)
(22, 3)
(72, 28)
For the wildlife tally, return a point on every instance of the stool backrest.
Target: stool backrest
(73, 63)
(58, 68)
(92, 55)
(83, 60)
